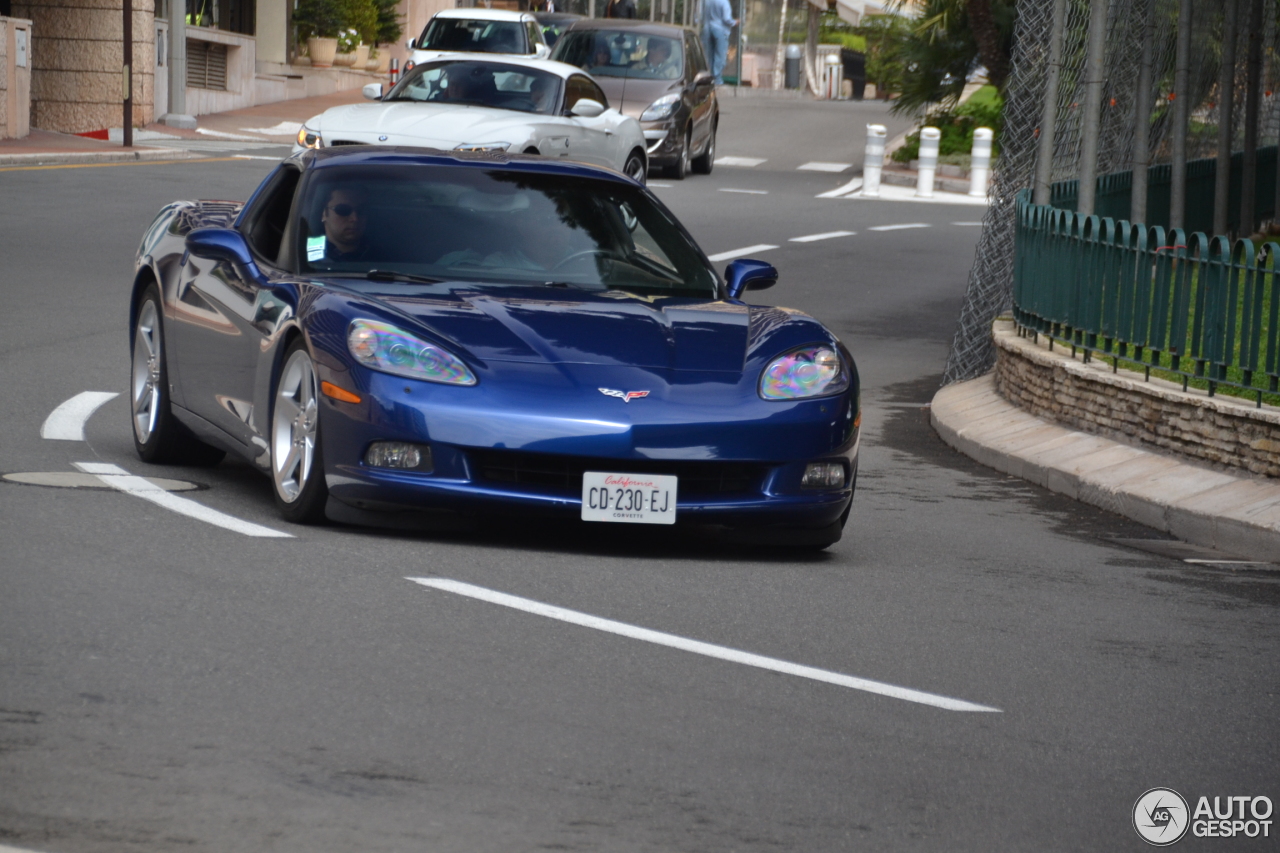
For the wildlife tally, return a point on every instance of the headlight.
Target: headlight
(661, 108)
(814, 371)
(483, 146)
(308, 138)
(382, 346)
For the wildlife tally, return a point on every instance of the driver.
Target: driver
(344, 220)
(657, 60)
(541, 92)
(459, 87)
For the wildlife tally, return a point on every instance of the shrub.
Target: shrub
(983, 109)
(319, 18)
(390, 26)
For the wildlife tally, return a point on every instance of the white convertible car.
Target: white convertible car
(473, 103)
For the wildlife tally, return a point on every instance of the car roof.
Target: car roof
(386, 155)
(560, 69)
(643, 27)
(485, 14)
(547, 17)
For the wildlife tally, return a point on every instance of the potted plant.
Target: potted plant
(319, 22)
(389, 30)
(348, 41)
(360, 27)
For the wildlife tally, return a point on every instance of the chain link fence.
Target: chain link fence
(1132, 27)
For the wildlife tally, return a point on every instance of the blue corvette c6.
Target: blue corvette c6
(395, 335)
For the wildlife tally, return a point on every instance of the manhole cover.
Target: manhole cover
(77, 480)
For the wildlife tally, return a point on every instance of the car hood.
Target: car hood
(416, 123)
(630, 95)
(560, 326)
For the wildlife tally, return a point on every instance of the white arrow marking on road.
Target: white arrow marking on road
(747, 162)
(818, 166)
(118, 478)
(813, 238)
(737, 253)
(635, 632)
(66, 423)
(747, 192)
(851, 187)
(899, 227)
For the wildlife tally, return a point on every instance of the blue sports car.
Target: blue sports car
(396, 335)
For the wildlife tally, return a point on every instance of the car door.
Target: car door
(223, 317)
(701, 91)
(591, 140)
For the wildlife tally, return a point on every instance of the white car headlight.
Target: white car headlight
(661, 108)
(382, 346)
(308, 138)
(483, 146)
(812, 371)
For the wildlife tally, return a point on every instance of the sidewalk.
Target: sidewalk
(265, 125)
(1238, 515)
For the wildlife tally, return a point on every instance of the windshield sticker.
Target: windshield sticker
(315, 248)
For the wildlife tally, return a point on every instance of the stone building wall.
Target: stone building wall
(76, 57)
(1224, 431)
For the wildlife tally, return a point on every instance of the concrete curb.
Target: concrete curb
(1237, 515)
(58, 158)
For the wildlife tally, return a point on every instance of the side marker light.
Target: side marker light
(330, 390)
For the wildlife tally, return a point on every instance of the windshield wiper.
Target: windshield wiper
(390, 275)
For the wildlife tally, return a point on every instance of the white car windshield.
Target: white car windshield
(470, 36)
(612, 53)
(479, 224)
(480, 83)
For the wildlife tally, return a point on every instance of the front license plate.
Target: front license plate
(629, 498)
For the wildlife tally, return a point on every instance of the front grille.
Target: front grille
(540, 470)
(334, 143)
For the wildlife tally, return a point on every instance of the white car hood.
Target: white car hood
(437, 125)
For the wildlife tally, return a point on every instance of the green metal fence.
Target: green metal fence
(1115, 190)
(1194, 307)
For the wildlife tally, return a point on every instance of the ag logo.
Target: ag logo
(1160, 816)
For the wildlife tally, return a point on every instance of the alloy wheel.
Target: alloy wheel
(294, 426)
(146, 374)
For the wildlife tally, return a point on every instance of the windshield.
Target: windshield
(613, 53)
(490, 225)
(480, 83)
(470, 36)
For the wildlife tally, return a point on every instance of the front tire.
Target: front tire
(704, 164)
(297, 467)
(680, 169)
(158, 437)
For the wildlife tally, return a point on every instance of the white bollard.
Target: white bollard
(928, 159)
(980, 161)
(873, 161)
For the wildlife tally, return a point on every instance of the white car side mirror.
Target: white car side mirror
(541, 51)
(409, 44)
(372, 91)
(587, 108)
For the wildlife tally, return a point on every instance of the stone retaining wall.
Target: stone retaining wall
(1221, 430)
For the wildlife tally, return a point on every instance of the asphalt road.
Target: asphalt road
(169, 685)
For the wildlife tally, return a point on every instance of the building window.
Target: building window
(206, 65)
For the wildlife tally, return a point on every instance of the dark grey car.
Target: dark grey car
(656, 73)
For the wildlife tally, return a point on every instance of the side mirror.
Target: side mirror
(372, 91)
(587, 108)
(702, 78)
(410, 43)
(541, 51)
(225, 245)
(746, 274)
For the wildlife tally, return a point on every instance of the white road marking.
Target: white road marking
(660, 186)
(979, 224)
(851, 187)
(284, 128)
(1224, 562)
(635, 632)
(746, 192)
(254, 157)
(899, 227)
(737, 253)
(813, 238)
(118, 478)
(66, 423)
(819, 166)
(220, 135)
(748, 162)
